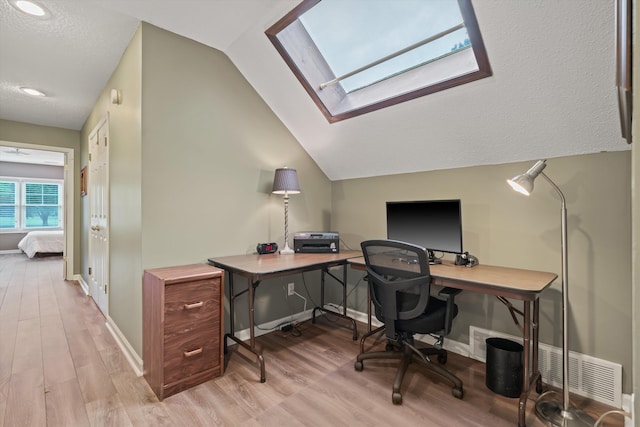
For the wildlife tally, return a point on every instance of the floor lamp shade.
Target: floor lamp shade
(550, 411)
(524, 183)
(285, 182)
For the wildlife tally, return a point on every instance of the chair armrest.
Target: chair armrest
(449, 292)
(449, 295)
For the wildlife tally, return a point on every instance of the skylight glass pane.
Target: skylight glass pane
(357, 56)
(367, 30)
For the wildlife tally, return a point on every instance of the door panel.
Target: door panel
(99, 215)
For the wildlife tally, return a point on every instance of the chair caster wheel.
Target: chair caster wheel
(358, 366)
(442, 358)
(457, 393)
(396, 398)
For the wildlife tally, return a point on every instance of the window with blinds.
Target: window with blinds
(27, 204)
(358, 56)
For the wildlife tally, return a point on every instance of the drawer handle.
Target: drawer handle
(193, 352)
(194, 305)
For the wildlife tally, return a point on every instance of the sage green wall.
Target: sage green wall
(125, 272)
(26, 133)
(210, 146)
(502, 227)
(192, 156)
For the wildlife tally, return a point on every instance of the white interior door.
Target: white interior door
(98, 192)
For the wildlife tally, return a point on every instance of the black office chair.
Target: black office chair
(400, 284)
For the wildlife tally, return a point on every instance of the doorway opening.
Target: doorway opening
(16, 152)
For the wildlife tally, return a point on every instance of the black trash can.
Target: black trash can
(504, 367)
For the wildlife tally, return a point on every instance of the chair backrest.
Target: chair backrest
(399, 280)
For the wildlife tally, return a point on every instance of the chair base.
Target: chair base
(407, 355)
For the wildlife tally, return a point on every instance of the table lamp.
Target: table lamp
(285, 182)
(551, 411)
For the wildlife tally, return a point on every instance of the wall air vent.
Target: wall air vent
(590, 377)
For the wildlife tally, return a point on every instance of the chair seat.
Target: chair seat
(428, 322)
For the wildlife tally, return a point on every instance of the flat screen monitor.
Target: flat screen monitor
(433, 224)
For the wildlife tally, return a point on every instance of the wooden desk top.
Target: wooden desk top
(257, 266)
(488, 279)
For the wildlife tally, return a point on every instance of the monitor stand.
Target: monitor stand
(432, 258)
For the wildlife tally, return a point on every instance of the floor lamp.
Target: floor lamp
(285, 182)
(550, 411)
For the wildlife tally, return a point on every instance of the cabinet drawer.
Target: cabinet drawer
(190, 353)
(192, 305)
(188, 292)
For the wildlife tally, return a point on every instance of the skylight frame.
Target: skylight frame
(339, 98)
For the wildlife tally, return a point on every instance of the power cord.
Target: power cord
(338, 307)
(606, 414)
(291, 329)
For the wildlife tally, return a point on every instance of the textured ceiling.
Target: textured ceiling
(552, 93)
(69, 55)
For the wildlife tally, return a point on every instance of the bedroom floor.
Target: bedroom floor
(59, 366)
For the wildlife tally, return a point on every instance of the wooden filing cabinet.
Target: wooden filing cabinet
(183, 327)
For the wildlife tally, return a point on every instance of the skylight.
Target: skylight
(358, 56)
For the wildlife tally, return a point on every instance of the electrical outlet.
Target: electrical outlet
(291, 289)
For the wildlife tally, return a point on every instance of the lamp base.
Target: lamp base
(552, 413)
(286, 250)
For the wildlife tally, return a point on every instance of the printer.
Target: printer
(326, 242)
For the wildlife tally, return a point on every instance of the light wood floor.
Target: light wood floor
(59, 366)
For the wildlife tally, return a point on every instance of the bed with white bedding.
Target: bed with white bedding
(42, 242)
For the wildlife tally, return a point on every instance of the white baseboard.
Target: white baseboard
(83, 284)
(129, 353)
(10, 251)
(268, 327)
(628, 408)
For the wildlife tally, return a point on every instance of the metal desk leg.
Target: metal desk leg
(536, 342)
(343, 282)
(526, 364)
(232, 329)
(252, 339)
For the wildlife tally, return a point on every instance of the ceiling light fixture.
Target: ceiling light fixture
(30, 7)
(33, 92)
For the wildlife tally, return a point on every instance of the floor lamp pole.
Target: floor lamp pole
(549, 410)
(285, 182)
(286, 250)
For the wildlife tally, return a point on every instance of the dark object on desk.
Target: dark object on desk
(327, 242)
(400, 293)
(466, 259)
(266, 248)
(504, 367)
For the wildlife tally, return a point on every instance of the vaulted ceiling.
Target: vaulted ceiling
(552, 92)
